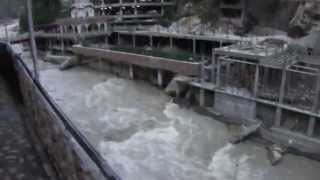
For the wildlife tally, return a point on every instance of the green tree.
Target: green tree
(10, 8)
(44, 12)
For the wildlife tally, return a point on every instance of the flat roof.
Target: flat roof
(217, 38)
(248, 50)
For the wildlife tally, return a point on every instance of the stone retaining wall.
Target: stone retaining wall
(66, 156)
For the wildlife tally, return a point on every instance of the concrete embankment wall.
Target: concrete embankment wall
(179, 67)
(69, 153)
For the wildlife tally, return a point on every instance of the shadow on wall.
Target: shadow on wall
(8, 72)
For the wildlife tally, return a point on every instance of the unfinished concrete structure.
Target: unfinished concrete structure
(133, 8)
(266, 82)
(107, 16)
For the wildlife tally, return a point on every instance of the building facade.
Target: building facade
(82, 9)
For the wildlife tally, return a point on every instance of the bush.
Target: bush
(44, 12)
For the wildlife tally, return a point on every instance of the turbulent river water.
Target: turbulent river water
(144, 136)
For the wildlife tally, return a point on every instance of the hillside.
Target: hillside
(259, 16)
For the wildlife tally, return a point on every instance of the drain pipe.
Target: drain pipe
(32, 41)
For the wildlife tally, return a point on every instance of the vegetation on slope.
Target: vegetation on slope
(10, 8)
(45, 12)
(207, 10)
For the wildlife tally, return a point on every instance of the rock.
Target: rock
(275, 154)
(172, 88)
(306, 18)
(56, 59)
(69, 63)
(245, 132)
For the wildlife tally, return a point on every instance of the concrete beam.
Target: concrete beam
(158, 63)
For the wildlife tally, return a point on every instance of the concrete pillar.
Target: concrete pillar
(131, 72)
(213, 67)
(266, 75)
(62, 47)
(151, 41)
(160, 78)
(311, 126)
(218, 72)
(105, 27)
(243, 70)
(203, 73)
(61, 29)
(134, 41)
(107, 40)
(99, 27)
(228, 73)
(50, 45)
(171, 42)
(202, 97)
(6, 32)
(87, 27)
(194, 47)
(121, 10)
(312, 120)
(281, 97)
(256, 81)
(119, 39)
(202, 51)
(79, 29)
(135, 8)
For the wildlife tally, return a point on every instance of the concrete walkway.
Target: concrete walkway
(18, 160)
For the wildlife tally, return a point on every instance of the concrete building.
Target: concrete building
(82, 9)
(131, 8)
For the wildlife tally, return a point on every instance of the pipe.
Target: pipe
(32, 41)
